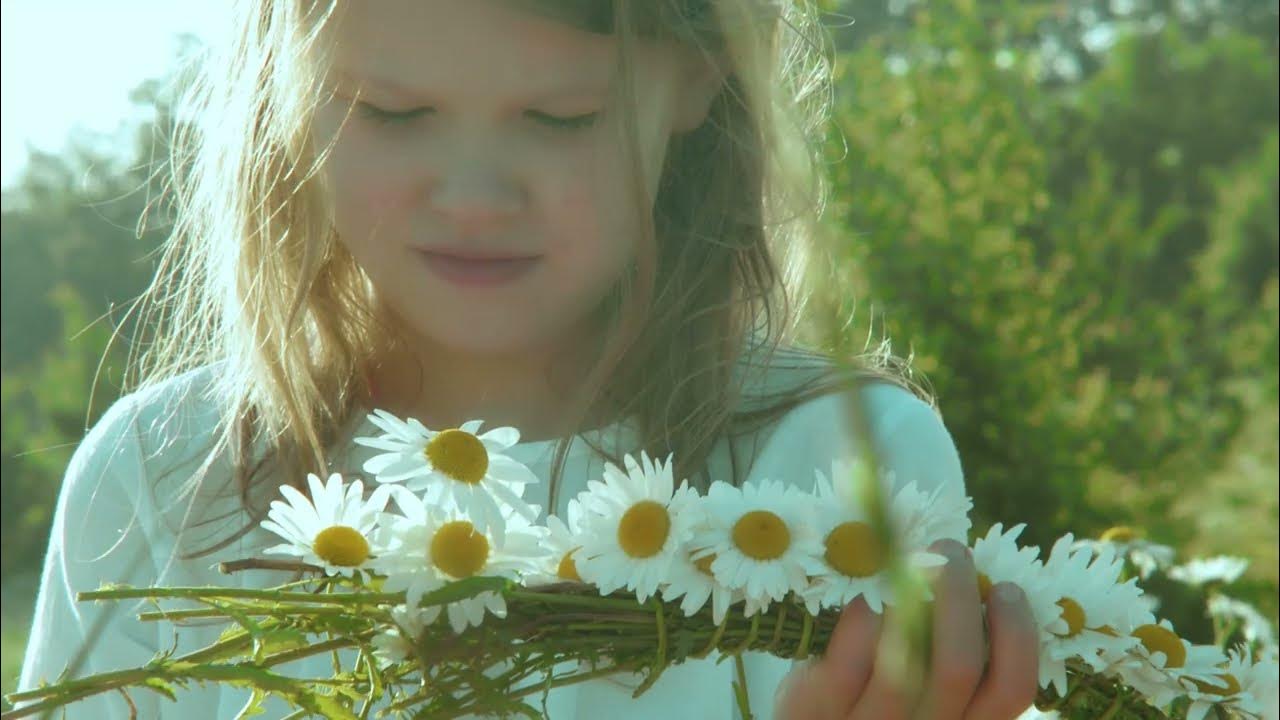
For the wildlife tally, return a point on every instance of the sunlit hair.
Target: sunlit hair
(254, 278)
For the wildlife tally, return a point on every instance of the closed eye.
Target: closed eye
(401, 117)
(390, 117)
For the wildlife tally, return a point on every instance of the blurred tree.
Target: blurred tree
(75, 256)
(1069, 39)
(1086, 274)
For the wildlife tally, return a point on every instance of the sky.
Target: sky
(67, 64)
(71, 63)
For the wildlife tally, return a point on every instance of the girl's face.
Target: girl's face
(478, 180)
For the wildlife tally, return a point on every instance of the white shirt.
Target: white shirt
(117, 521)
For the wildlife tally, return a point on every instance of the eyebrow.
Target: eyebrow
(573, 89)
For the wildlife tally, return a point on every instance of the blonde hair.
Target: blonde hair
(253, 277)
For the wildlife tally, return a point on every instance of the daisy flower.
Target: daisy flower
(1226, 691)
(1220, 569)
(998, 558)
(692, 582)
(332, 529)
(1262, 682)
(1255, 627)
(454, 465)
(946, 515)
(1127, 542)
(942, 513)
(1098, 611)
(1164, 667)
(763, 540)
(430, 546)
(633, 525)
(559, 545)
(852, 558)
(396, 644)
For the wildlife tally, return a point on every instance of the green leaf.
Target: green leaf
(464, 589)
(162, 686)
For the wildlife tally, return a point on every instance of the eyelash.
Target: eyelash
(389, 117)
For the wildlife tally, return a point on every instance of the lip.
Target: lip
(471, 269)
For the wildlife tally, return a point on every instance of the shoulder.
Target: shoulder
(140, 436)
(151, 470)
(908, 433)
(161, 420)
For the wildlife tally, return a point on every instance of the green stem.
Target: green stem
(197, 613)
(65, 693)
(806, 636)
(206, 593)
(740, 687)
(751, 635)
(660, 661)
(1113, 709)
(603, 603)
(777, 627)
(715, 639)
(335, 644)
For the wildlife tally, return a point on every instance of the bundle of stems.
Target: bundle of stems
(552, 636)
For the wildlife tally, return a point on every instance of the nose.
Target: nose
(475, 195)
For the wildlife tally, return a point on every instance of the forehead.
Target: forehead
(483, 45)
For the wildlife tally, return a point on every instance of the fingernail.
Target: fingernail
(858, 606)
(1008, 593)
(951, 549)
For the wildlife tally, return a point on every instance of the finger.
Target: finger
(955, 665)
(828, 687)
(1012, 678)
(802, 695)
(885, 697)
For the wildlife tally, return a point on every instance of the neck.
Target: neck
(443, 387)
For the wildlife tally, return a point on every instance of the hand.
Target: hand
(845, 684)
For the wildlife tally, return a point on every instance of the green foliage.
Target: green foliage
(70, 256)
(1086, 275)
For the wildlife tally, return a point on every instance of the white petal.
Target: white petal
(503, 437)
(514, 501)
(379, 464)
(510, 471)
(404, 471)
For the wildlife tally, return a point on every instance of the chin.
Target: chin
(485, 338)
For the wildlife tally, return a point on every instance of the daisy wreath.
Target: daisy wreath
(439, 595)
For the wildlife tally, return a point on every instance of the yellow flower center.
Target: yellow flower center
(1232, 685)
(341, 545)
(761, 535)
(984, 587)
(853, 550)
(1120, 534)
(1107, 630)
(1073, 614)
(704, 565)
(568, 569)
(458, 550)
(1157, 638)
(458, 454)
(643, 529)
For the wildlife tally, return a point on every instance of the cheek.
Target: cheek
(373, 198)
(593, 231)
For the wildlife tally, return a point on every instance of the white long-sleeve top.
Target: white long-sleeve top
(122, 518)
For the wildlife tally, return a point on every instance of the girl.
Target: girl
(566, 216)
